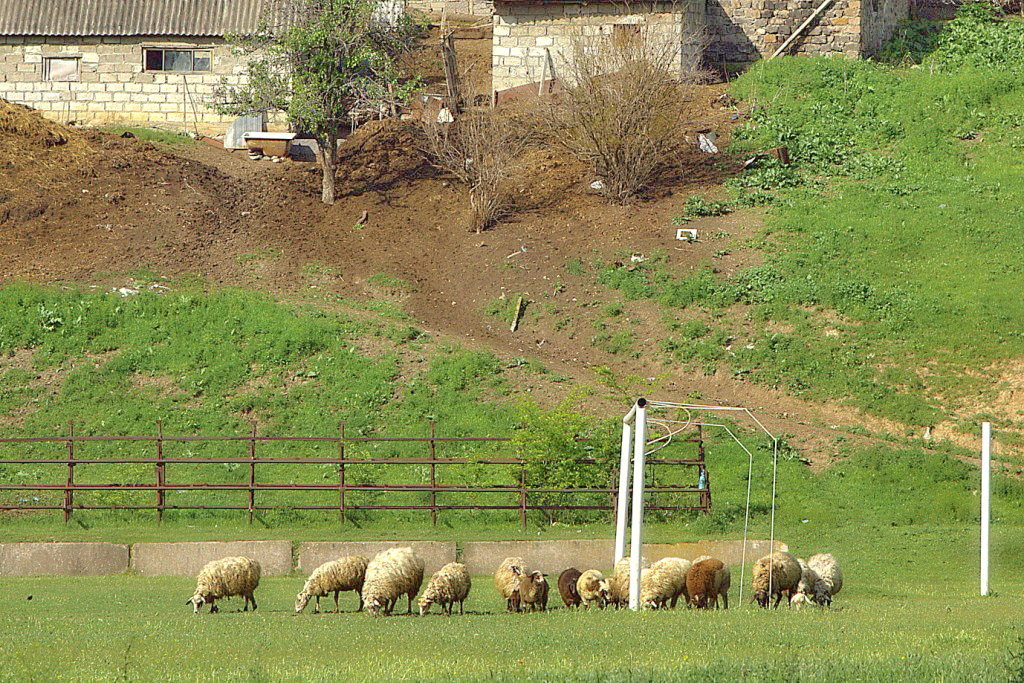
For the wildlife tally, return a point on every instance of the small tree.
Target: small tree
(320, 61)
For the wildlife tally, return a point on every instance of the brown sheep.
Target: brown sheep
(567, 587)
(776, 575)
(706, 581)
(533, 591)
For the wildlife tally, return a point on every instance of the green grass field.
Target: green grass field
(909, 611)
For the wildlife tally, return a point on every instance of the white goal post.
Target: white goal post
(634, 451)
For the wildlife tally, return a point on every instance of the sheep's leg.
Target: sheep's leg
(725, 601)
(252, 599)
(360, 594)
(460, 607)
(778, 599)
(410, 603)
(337, 607)
(316, 606)
(213, 608)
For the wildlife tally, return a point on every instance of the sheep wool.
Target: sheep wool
(706, 581)
(449, 585)
(782, 570)
(593, 587)
(829, 577)
(618, 584)
(226, 578)
(343, 574)
(663, 582)
(567, 587)
(391, 574)
(533, 591)
(506, 581)
(805, 587)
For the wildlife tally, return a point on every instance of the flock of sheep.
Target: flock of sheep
(381, 582)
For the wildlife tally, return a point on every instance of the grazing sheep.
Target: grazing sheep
(663, 582)
(707, 580)
(226, 578)
(593, 587)
(533, 591)
(567, 587)
(805, 587)
(344, 574)
(618, 584)
(389, 575)
(449, 585)
(829, 577)
(506, 580)
(784, 577)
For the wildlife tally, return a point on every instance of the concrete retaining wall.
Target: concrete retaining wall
(482, 558)
(435, 554)
(186, 559)
(62, 559)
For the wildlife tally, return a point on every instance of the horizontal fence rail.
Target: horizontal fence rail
(523, 495)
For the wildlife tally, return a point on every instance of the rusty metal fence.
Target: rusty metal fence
(437, 498)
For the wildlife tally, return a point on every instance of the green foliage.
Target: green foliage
(575, 266)
(911, 42)
(390, 282)
(978, 37)
(163, 137)
(698, 206)
(564, 449)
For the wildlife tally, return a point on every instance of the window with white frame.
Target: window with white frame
(178, 59)
(63, 69)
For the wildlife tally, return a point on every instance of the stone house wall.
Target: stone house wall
(114, 88)
(526, 32)
(480, 8)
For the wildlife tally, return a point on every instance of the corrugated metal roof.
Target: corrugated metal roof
(130, 17)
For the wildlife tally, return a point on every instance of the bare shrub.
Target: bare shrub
(483, 150)
(619, 111)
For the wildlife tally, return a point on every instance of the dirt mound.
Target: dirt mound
(380, 155)
(33, 149)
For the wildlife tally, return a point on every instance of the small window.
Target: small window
(181, 60)
(63, 69)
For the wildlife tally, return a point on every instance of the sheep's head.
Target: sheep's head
(425, 604)
(538, 577)
(375, 606)
(604, 590)
(761, 597)
(197, 601)
(301, 600)
(823, 598)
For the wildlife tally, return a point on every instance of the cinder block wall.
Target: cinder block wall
(480, 8)
(114, 88)
(522, 32)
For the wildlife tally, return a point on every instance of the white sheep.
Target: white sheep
(391, 574)
(226, 578)
(829, 577)
(448, 585)
(506, 581)
(663, 582)
(775, 575)
(343, 574)
(805, 588)
(618, 584)
(593, 587)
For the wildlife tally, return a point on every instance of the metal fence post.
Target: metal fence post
(433, 475)
(160, 474)
(341, 470)
(522, 494)
(252, 472)
(69, 490)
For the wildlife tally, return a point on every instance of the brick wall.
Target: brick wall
(524, 31)
(480, 8)
(746, 30)
(114, 88)
(879, 20)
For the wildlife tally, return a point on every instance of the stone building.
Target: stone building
(528, 33)
(135, 62)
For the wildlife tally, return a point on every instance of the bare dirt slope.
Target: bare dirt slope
(90, 207)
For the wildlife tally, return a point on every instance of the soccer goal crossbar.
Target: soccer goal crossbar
(636, 447)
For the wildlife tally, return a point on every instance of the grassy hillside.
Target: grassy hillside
(893, 258)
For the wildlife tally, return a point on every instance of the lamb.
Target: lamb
(567, 587)
(448, 585)
(389, 575)
(805, 587)
(506, 580)
(784, 576)
(618, 584)
(344, 574)
(707, 580)
(829, 577)
(226, 578)
(593, 587)
(533, 591)
(663, 582)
